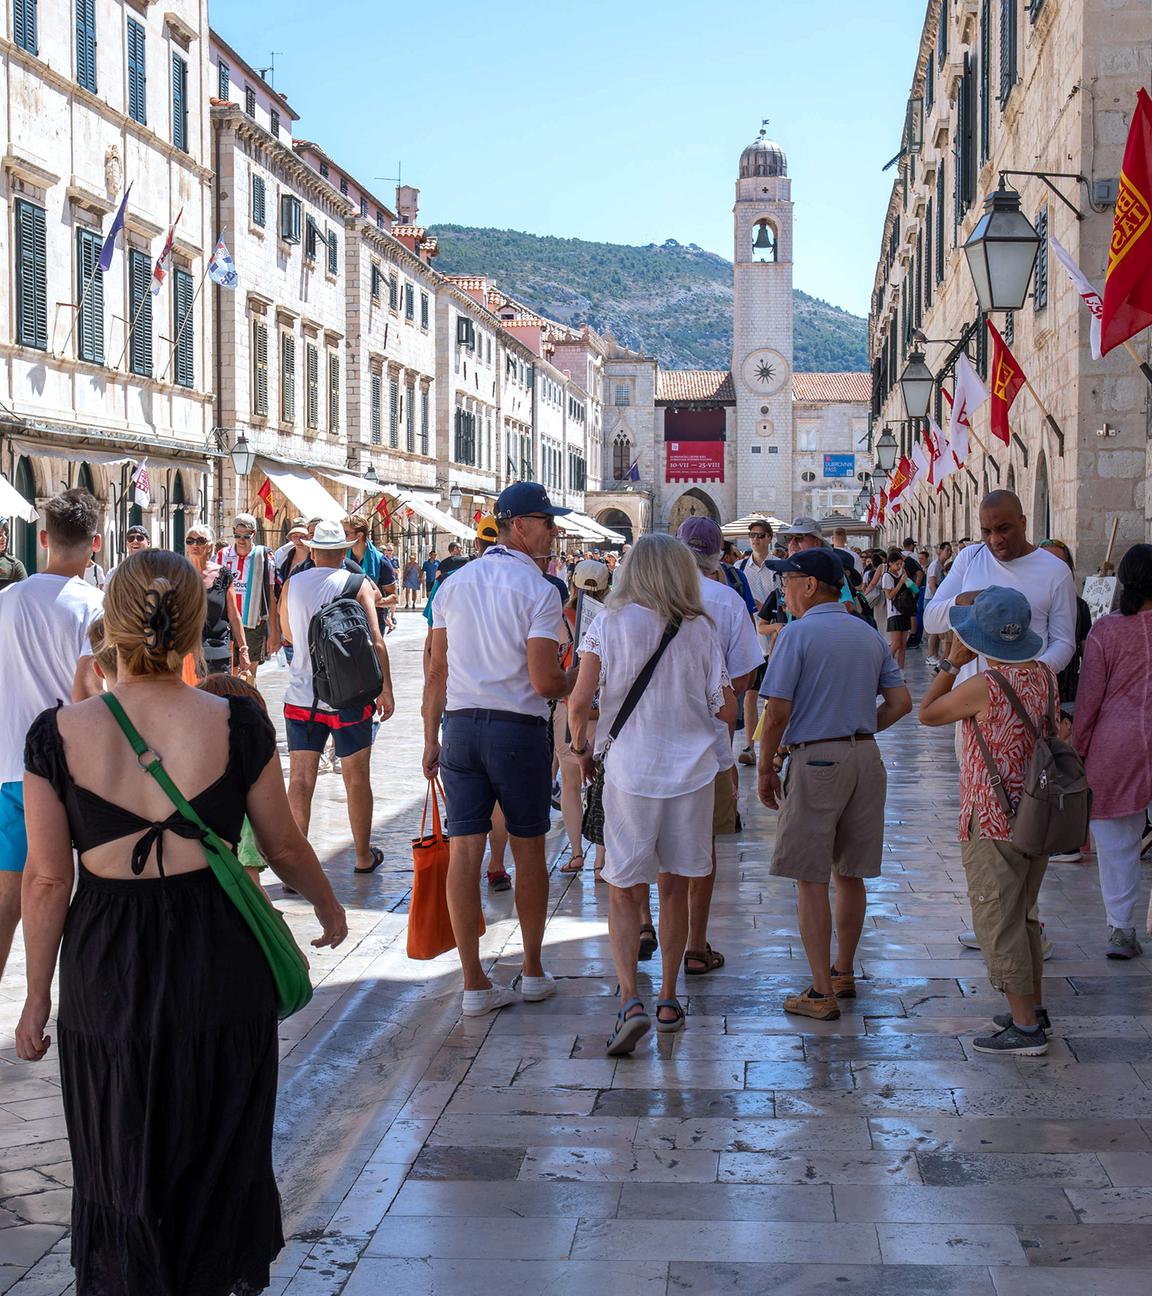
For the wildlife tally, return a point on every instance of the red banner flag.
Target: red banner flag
(1005, 379)
(382, 509)
(901, 476)
(883, 508)
(265, 493)
(1128, 282)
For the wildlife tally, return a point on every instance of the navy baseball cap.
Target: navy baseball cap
(522, 498)
(821, 563)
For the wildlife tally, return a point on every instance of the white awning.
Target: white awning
(568, 523)
(13, 504)
(368, 489)
(303, 490)
(430, 513)
(598, 528)
(104, 458)
(739, 526)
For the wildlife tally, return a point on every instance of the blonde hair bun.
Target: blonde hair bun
(154, 607)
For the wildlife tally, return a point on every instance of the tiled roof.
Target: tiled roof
(832, 387)
(695, 385)
(468, 281)
(409, 231)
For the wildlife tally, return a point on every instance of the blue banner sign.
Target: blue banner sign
(839, 465)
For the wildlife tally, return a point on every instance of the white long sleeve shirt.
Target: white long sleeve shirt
(1044, 580)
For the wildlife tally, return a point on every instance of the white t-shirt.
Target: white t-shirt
(739, 643)
(490, 608)
(935, 576)
(43, 634)
(308, 591)
(1044, 580)
(667, 745)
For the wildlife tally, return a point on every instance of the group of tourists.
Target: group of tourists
(627, 692)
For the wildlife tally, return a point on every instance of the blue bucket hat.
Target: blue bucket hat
(997, 625)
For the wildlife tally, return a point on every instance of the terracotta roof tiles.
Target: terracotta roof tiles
(695, 385)
(832, 387)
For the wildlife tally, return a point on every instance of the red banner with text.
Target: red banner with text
(693, 461)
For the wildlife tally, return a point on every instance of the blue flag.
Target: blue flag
(634, 471)
(109, 248)
(222, 269)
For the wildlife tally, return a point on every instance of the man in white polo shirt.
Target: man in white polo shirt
(492, 668)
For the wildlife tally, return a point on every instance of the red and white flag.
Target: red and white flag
(142, 485)
(265, 493)
(968, 395)
(943, 461)
(922, 463)
(1128, 279)
(1007, 379)
(872, 510)
(164, 260)
(1092, 298)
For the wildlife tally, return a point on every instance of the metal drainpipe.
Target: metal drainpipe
(218, 467)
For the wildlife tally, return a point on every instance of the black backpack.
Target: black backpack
(345, 669)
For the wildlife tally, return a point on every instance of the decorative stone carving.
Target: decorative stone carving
(113, 171)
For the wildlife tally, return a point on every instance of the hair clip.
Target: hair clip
(160, 618)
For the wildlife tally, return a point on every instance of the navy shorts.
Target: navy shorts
(496, 756)
(348, 737)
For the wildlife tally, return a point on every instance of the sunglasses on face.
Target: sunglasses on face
(546, 518)
(137, 539)
(196, 540)
(757, 535)
(242, 535)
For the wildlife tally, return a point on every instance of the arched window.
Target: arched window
(621, 456)
(1041, 520)
(85, 480)
(179, 519)
(24, 542)
(763, 241)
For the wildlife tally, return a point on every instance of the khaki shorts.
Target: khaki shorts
(833, 813)
(723, 803)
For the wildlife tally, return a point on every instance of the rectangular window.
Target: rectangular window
(287, 378)
(137, 73)
(223, 81)
(376, 385)
(250, 101)
(465, 331)
(1009, 33)
(90, 290)
(31, 276)
(274, 123)
(942, 34)
(424, 421)
(140, 312)
(623, 394)
(985, 80)
(86, 44)
(377, 282)
(393, 293)
(333, 253)
(380, 220)
(965, 178)
(940, 222)
(1040, 278)
(929, 84)
(410, 418)
(344, 185)
(333, 392)
(259, 368)
(423, 310)
(363, 205)
(394, 413)
(183, 328)
(311, 234)
(179, 103)
(290, 213)
(258, 210)
(409, 302)
(929, 231)
(24, 24)
(312, 380)
(1009, 329)
(324, 170)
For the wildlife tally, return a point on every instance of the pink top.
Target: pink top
(1009, 743)
(1113, 717)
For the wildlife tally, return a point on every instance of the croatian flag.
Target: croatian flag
(221, 268)
(142, 486)
(164, 260)
(109, 249)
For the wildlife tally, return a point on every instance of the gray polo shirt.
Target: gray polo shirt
(830, 665)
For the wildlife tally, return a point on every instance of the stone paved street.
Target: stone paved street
(419, 1154)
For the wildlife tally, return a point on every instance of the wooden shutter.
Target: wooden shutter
(310, 233)
(409, 302)
(140, 310)
(940, 221)
(258, 200)
(90, 326)
(393, 293)
(393, 413)
(929, 230)
(333, 253)
(184, 328)
(259, 367)
(985, 79)
(312, 379)
(1008, 39)
(31, 276)
(1040, 277)
(410, 419)
(424, 421)
(24, 25)
(137, 75)
(287, 378)
(333, 392)
(86, 44)
(376, 387)
(274, 123)
(179, 103)
(223, 85)
(423, 310)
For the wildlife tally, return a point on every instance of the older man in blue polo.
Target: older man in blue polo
(821, 718)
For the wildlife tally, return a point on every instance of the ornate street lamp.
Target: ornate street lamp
(1001, 252)
(243, 456)
(887, 448)
(861, 506)
(916, 385)
(456, 497)
(371, 475)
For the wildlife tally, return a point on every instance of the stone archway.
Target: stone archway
(617, 520)
(694, 502)
(1040, 524)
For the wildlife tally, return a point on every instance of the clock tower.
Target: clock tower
(762, 330)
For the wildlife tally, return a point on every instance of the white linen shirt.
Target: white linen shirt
(667, 745)
(490, 608)
(739, 643)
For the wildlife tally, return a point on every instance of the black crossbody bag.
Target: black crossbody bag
(592, 824)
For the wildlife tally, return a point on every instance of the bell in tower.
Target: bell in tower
(764, 244)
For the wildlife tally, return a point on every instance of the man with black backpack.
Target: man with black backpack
(339, 683)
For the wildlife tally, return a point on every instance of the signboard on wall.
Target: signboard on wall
(839, 465)
(694, 461)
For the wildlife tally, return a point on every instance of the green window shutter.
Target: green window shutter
(1040, 277)
(140, 310)
(410, 419)
(137, 73)
(24, 24)
(376, 281)
(312, 376)
(90, 325)
(424, 421)
(250, 101)
(259, 368)
(393, 413)
(183, 328)
(376, 386)
(274, 123)
(31, 276)
(333, 392)
(423, 310)
(223, 81)
(258, 211)
(1008, 47)
(333, 253)
(409, 302)
(393, 293)
(287, 378)
(86, 44)
(180, 103)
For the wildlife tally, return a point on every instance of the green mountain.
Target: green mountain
(669, 300)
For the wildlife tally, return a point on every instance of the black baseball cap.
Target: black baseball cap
(821, 563)
(136, 531)
(522, 498)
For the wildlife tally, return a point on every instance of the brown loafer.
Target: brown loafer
(808, 1004)
(843, 984)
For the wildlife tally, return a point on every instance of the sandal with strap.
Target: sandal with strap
(708, 958)
(670, 1027)
(572, 866)
(648, 944)
(628, 1031)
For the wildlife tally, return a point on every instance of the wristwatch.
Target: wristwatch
(948, 667)
(579, 751)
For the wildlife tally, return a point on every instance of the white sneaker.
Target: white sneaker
(1068, 857)
(932, 661)
(536, 989)
(479, 1002)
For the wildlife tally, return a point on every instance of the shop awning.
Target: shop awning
(13, 504)
(739, 527)
(363, 487)
(598, 528)
(103, 458)
(571, 524)
(430, 513)
(299, 486)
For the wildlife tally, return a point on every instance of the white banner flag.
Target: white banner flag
(969, 394)
(142, 486)
(1092, 298)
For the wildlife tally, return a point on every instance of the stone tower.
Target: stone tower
(762, 330)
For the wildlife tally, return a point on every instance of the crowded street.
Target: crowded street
(754, 1152)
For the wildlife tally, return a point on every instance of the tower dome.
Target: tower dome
(763, 157)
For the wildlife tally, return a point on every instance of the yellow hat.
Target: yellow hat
(486, 528)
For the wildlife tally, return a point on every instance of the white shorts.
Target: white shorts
(644, 836)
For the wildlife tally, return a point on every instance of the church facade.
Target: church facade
(756, 438)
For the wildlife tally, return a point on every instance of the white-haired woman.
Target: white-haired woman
(222, 624)
(660, 760)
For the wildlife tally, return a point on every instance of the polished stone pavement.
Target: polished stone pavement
(876, 1155)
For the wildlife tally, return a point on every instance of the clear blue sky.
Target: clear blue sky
(614, 121)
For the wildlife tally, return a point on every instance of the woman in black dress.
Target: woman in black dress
(222, 624)
(167, 1018)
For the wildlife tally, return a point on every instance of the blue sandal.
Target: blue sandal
(628, 1031)
(669, 1027)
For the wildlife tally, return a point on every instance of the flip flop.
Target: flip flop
(567, 868)
(377, 860)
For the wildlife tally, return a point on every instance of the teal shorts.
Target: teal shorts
(13, 833)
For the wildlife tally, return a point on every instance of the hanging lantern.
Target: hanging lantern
(1001, 252)
(917, 384)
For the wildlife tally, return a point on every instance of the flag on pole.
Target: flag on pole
(382, 509)
(899, 480)
(221, 268)
(1128, 281)
(968, 395)
(142, 485)
(922, 461)
(883, 507)
(265, 493)
(477, 518)
(164, 260)
(872, 510)
(109, 248)
(1007, 378)
(634, 470)
(1092, 298)
(943, 460)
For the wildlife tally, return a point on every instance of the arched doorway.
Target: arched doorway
(85, 480)
(24, 539)
(1011, 478)
(618, 520)
(179, 519)
(693, 503)
(1042, 500)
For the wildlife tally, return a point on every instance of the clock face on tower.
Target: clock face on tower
(764, 372)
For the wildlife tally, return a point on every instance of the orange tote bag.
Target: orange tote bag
(429, 924)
